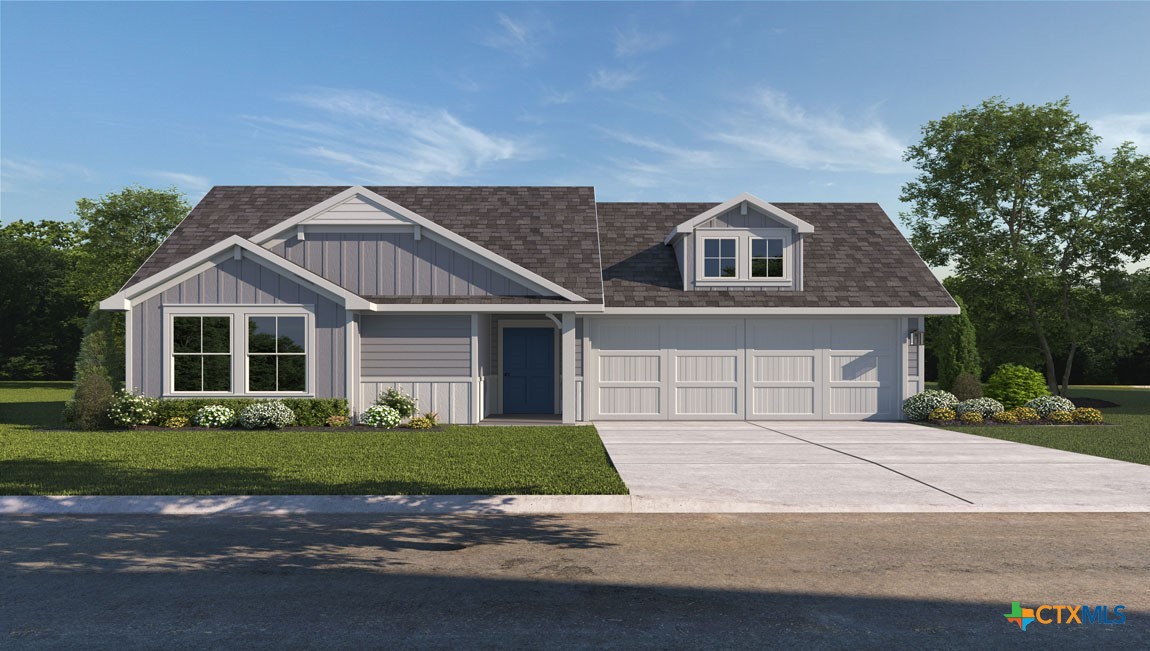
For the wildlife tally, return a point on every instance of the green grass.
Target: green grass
(1127, 438)
(460, 460)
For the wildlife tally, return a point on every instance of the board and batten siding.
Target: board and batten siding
(239, 282)
(396, 264)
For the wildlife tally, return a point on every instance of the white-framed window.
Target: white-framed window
(720, 257)
(767, 257)
(277, 353)
(201, 348)
(240, 350)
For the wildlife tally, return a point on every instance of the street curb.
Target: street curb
(472, 504)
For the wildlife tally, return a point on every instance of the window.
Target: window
(202, 353)
(719, 257)
(277, 355)
(766, 258)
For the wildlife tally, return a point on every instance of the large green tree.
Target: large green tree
(122, 229)
(957, 348)
(1020, 202)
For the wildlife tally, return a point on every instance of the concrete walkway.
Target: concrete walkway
(861, 466)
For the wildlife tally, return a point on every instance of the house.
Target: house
(534, 300)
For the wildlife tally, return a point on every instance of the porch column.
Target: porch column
(567, 364)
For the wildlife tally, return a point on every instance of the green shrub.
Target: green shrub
(176, 422)
(1004, 417)
(985, 406)
(1015, 385)
(1061, 417)
(971, 417)
(266, 415)
(314, 412)
(1025, 414)
(131, 410)
(966, 387)
(309, 412)
(919, 406)
(1087, 415)
(420, 422)
(380, 416)
(942, 414)
(402, 403)
(957, 350)
(88, 408)
(338, 421)
(1045, 405)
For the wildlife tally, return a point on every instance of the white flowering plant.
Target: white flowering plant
(402, 403)
(214, 416)
(131, 410)
(1046, 405)
(267, 415)
(919, 406)
(380, 416)
(985, 406)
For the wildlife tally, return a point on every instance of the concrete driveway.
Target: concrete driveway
(858, 466)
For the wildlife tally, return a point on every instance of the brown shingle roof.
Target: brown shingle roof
(855, 258)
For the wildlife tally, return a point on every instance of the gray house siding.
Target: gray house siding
(239, 282)
(735, 219)
(415, 346)
(396, 264)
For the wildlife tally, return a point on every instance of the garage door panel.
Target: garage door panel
(708, 368)
(707, 401)
(780, 334)
(629, 401)
(783, 401)
(856, 367)
(629, 368)
(859, 401)
(783, 368)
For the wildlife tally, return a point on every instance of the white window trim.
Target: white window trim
(239, 347)
(738, 258)
(744, 237)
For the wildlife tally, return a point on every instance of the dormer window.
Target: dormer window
(767, 257)
(720, 257)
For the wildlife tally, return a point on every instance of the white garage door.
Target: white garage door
(754, 369)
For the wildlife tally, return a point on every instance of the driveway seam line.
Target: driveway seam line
(827, 447)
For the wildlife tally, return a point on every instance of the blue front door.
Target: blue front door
(528, 371)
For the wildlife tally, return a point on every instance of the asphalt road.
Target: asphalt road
(626, 581)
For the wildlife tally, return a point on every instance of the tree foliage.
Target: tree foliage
(1018, 200)
(957, 348)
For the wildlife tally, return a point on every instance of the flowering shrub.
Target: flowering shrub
(1087, 415)
(267, 415)
(1044, 405)
(919, 406)
(426, 421)
(130, 410)
(985, 406)
(971, 417)
(176, 422)
(403, 404)
(214, 416)
(1015, 385)
(1025, 414)
(942, 414)
(1061, 417)
(380, 416)
(1004, 417)
(338, 421)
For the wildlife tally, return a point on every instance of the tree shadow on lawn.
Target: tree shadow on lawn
(71, 477)
(29, 415)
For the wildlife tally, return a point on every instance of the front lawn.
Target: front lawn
(460, 460)
(1126, 438)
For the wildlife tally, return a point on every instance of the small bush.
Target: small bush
(1004, 417)
(213, 416)
(971, 417)
(267, 415)
(1045, 405)
(985, 406)
(966, 387)
(131, 410)
(176, 422)
(402, 403)
(942, 414)
(380, 416)
(1025, 414)
(1061, 417)
(89, 406)
(420, 422)
(1015, 385)
(1087, 415)
(309, 412)
(919, 406)
(338, 421)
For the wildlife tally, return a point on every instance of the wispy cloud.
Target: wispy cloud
(376, 139)
(553, 96)
(23, 174)
(521, 37)
(632, 42)
(774, 128)
(191, 183)
(607, 79)
(1117, 129)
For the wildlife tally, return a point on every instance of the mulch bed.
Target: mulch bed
(991, 423)
(294, 428)
(1096, 403)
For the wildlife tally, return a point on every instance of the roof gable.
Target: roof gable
(775, 212)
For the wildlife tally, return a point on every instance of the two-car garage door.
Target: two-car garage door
(753, 368)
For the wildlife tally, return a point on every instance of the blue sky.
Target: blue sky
(651, 101)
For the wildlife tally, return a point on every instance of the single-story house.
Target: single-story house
(534, 300)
